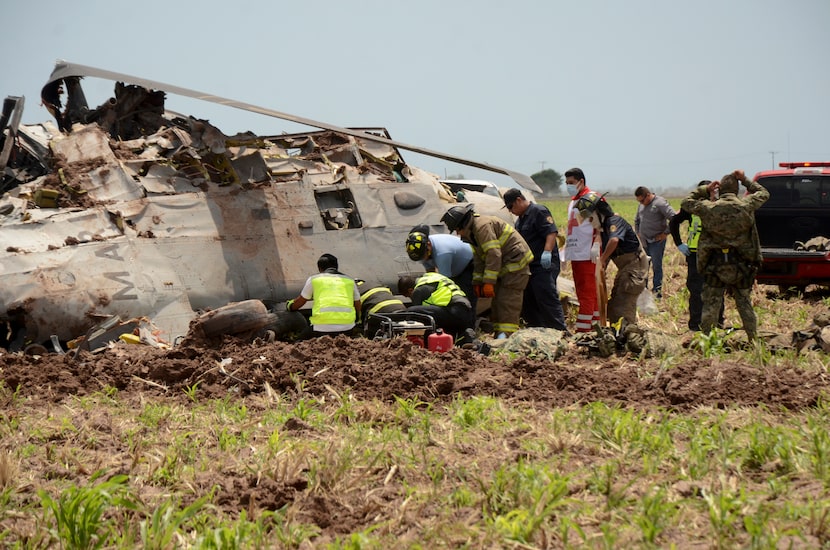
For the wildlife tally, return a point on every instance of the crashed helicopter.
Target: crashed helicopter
(127, 210)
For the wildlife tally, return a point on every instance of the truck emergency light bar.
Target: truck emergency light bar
(804, 164)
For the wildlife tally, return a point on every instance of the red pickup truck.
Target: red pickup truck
(797, 211)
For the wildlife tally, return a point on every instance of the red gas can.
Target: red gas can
(439, 341)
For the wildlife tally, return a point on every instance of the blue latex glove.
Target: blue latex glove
(684, 249)
(545, 259)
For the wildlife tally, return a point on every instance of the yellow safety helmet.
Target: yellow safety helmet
(416, 245)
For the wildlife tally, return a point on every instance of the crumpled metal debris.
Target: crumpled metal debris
(130, 210)
(540, 343)
(816, 244)
(814, 337)
(623, 337)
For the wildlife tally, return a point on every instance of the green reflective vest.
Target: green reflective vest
(444, 292)
(694, 233)
(333, 296)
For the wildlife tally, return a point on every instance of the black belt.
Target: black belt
(636, 253)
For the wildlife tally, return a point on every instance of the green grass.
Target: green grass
(478, 472)
(624, 206)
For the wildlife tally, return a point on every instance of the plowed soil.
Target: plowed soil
(396, 368)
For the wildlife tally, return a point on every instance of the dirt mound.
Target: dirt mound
(396, 368)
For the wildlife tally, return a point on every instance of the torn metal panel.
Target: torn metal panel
(49, 229)
(64, 70)
(91, 166)
(86, 143)
(160, 178)
(10, 119)
(250, 167)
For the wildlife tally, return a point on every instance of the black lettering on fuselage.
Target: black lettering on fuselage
(122, 277)
(109, 252)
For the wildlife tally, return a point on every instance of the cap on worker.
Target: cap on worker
(511, 196)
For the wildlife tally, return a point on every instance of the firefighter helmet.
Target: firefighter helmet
(416, 245)
(458, 217)
(589, 203)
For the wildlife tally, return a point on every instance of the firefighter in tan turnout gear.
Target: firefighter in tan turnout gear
(500, 263)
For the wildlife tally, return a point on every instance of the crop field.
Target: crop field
(353, 444)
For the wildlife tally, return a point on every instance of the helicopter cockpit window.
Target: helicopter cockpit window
(338, 210)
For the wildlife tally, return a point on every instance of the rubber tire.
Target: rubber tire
(236, 317)
(283, 322)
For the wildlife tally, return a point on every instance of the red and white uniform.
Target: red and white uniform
(578, 242)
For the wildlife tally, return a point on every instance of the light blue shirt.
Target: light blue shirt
(450, 255)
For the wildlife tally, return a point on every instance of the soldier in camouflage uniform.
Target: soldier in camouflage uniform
(728, 252)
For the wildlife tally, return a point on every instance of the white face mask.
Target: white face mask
(595, 222)
(571, 189)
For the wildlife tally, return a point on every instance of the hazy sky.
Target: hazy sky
(636, 92)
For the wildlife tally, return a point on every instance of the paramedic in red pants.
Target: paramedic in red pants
(581, 252)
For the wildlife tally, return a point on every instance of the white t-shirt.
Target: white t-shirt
(580, 237)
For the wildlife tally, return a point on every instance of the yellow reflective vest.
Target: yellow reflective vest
(444, 292)
(694, 233)
(333, 296)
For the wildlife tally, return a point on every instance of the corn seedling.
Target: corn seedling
(713, 343)
(167, 520)
(656, 512)
(79, 512)
(478, 410)
(725, 507)
(190, 391)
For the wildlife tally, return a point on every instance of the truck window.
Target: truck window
(807, 190)
(780, 190)
(797, 191)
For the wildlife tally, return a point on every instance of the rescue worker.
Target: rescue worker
(620, 245)
(541, 306)
(500, 263)
(582, 250)
(336, 304)
(694, 280)
(439, 297)
(376, 300)
(446, 254)
(728, 251)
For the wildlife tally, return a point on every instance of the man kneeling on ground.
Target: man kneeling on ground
(440, 298)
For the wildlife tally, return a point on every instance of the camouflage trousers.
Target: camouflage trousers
(631, 279)
(713, 305)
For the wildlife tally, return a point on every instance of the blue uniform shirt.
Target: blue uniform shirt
(535, 225)
(450, 255)
(615, 226)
